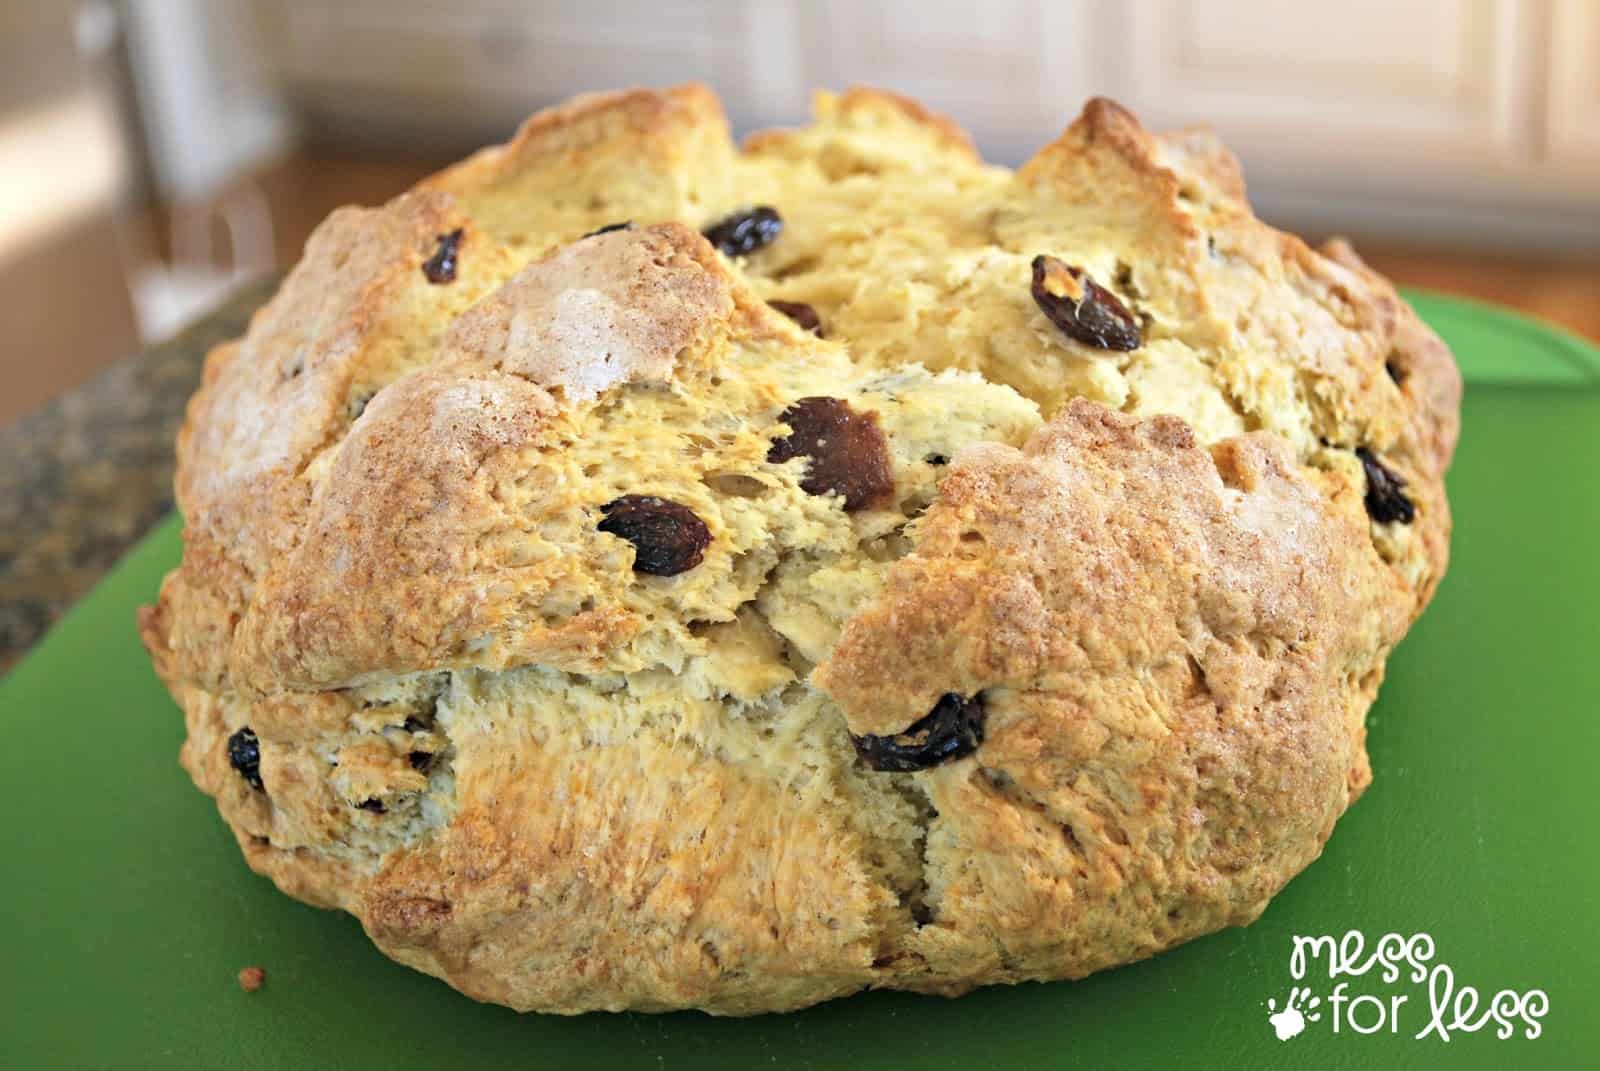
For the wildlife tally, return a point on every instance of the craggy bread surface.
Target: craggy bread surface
(437, 671)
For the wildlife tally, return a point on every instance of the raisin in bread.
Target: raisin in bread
(632, 571)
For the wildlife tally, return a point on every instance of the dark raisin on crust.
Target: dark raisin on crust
(625, 225)
(937, 459)
(420, 760)
(849, 454)
(1395, 374)
(1387, 501)
(800, 313)
(953, 728)
(441, 267)
(374, 805)
(414, 724)
(667, 537)
(745, 232)
(1083, 309)
(244, 755)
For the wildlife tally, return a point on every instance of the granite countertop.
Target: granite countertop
(89, 474)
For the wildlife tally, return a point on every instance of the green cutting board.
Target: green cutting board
(128, 910)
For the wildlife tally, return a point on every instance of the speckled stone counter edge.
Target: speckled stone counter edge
(90, 473)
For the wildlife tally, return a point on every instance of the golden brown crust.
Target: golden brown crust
(390, 573)
(1297, 341)
(659, 876)
(864, 103)
(866, 129)
(1107, 546)
(1420, 363)
(1163, 638)
(601, 158)
(602, 123)
(1198, 155)
(427, 686)
(615, 308)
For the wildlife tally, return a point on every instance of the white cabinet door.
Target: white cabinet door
(1385, 85)
(1573, 116)
(443, 59)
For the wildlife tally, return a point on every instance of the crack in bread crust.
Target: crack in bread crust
(561, 784)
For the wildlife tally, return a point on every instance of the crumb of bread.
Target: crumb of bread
(252, 978)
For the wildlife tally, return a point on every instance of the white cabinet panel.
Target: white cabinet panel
(1380, 81)
(488, 51)
(1573, 117)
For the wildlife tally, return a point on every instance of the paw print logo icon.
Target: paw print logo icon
(1299, 1009)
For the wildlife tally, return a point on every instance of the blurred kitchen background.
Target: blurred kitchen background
(155, 153)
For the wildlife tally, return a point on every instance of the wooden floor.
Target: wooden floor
(303, 189)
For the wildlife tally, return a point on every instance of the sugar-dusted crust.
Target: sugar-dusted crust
(561, 784)
(1176, 647)
(396, 560)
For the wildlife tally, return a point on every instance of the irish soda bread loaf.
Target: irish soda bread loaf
(632, 571)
